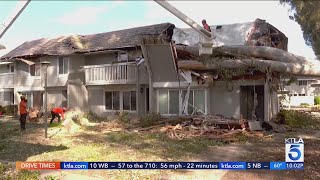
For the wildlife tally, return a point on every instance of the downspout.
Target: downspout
(138, 90)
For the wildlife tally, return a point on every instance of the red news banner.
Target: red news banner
(38, 165)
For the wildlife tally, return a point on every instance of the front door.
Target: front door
(252, 102)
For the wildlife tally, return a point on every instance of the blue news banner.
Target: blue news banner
(183, 165)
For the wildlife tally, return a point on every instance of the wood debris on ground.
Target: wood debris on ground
(212, 127)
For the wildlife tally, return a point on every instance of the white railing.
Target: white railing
(119, 73)
(6, 80)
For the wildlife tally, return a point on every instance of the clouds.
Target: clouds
(84, 15)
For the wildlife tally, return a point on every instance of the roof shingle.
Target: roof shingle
(65, 45)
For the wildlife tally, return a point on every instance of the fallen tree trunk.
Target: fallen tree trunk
(262, 52)
(288, 68)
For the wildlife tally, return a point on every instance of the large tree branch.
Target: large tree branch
(288, 68)
(261, 52)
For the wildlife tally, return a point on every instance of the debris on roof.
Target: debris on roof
(257, 33)
(66, 45)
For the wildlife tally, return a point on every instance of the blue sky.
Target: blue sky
(56, 18)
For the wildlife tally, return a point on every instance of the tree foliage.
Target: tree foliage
(307, 14)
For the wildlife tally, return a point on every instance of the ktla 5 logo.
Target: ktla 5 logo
(294, 150)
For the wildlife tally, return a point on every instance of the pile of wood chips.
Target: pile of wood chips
(212, 127)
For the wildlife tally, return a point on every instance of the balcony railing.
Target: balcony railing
(120, 73)
(6, 80)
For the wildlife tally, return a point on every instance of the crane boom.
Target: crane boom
(21, 5)
(205, 41)
(184, 18)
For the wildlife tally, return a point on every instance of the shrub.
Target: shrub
(317, 100)
(298, 119)
(304, 105)
(124, 117)
(149, 119)
(93, 117)
(10, 110)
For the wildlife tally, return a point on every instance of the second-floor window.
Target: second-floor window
(63, 65)
(303, 83)
(35, 69)
(10, 68)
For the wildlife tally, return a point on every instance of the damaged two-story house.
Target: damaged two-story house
(102, 73)
(154, 68)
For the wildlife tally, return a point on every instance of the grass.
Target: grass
(160, 144)
(7, 173)
(93, 145)
(51, 177)
(53, 124)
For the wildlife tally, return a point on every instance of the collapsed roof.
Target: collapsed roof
(257, 33)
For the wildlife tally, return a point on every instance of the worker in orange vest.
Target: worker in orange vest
(57, 112)
(23, 113)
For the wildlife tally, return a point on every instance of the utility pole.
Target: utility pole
(45, 64)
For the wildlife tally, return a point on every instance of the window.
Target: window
(118, 100)
(29, 99)
(10, 68)
(168, 101)
(303, 83)
(35, 69)
(112, 100)
(63, 65)
(129, 101)
(196, 100)
(302, 94)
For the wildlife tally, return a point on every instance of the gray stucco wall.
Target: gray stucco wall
(161, 63)
(56, 96)
(77, 92)
(224, 102)
(6, 98)
(227, 103)
(22, 77)
(54, 79)
(99, 59)
(3, 69)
